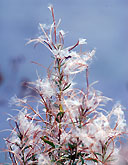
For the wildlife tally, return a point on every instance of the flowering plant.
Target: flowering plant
(67, 125)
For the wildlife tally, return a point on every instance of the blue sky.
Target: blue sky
(102, 22)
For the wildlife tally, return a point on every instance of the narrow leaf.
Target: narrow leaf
(92, 159)
(67, 87)
(97, 153)
(32, 157)
(82, 160)
(48, 142)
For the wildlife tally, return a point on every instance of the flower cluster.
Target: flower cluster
(67, 125)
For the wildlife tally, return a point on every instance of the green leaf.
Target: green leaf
(48, 142)
(62, 64)
(61, 114)
(72, 146)
(27, 147)
(96, 153)
(59, 162)
(94, 160)
(57, 120)
(82, 154)
(32, 157)
(67, 87)
(82, 160)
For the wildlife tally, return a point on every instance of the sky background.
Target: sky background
(104, 23)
